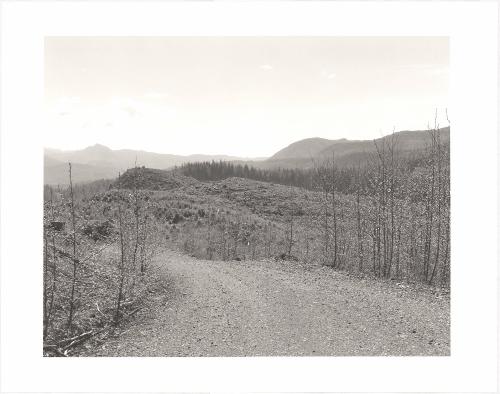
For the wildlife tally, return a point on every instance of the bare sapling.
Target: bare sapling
(45, 280)
(235, 232)
(334, 212)
(137, 209)
(144, 241)
(268, 240)
(74, 259)
(321, 175)
(121, 266)
(210, 248)
(223, 241)
(290, 233)
(381, 209)
(54, 265)
(429, 223)
(358, 220)
(437, 151)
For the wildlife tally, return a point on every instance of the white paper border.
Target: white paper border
(472, 28)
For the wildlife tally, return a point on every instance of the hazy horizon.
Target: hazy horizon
(149, 151)
(205, 154)
(238, 96)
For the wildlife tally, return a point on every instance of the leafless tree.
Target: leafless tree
(121, 266)
(74, 258)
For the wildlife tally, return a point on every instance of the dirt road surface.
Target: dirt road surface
(216, 308)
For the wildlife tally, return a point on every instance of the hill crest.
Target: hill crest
(301, 153)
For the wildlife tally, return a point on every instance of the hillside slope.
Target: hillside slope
(304, 149)
(302, 154)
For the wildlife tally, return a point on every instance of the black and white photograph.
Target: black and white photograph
(241, 196)
(249, 197)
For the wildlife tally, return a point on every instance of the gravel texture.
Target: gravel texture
(269, 308)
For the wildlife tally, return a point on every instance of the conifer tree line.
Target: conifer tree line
(218, 170)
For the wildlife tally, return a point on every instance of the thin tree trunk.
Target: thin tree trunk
(438, 235)
(75, 261)
(45, 279)
(358, 220)
(334, 213)
(144, 245)
(54, 264)
(121, 267)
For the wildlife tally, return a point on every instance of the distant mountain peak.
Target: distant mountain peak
(306, 148)
(97, 148)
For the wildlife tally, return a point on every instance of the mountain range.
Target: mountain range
(100, 162)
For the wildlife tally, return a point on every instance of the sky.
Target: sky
(241, 96)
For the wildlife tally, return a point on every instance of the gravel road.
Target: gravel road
(247, 308)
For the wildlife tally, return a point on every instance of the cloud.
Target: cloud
(331, 76)
(266, 67)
